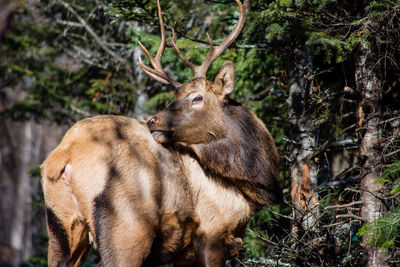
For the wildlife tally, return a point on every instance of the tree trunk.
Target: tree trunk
(142, 90)
(369, 87)
(304, 168)
(22, 145)
(7, 8)
(142, 95)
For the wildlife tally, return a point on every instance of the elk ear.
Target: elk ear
(225, 80)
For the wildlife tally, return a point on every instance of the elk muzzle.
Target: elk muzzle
(161, 135)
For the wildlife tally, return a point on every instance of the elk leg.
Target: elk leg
(214, 254)
(68, 231)
(80, 245)
(232, 245)
(68, 244)
(127, 244)
(124, 237)
(58, 251)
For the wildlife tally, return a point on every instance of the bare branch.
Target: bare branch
(271, 91)
(87, 27)
(69, 23)
(344, 205)
(391, 153)
(350, 216)
(81, 111)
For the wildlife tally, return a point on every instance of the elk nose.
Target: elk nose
(152, 121)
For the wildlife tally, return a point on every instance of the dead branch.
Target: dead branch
(271, 91)
(344, 205)
(389, 120)
(350, 216)
(391, 153)
(81, 111)
(353, 190)
(334, 224)
(84, 24)
(69, 23)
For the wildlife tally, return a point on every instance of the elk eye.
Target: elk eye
(197, 100)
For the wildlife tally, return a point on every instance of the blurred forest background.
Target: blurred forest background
(324, 76)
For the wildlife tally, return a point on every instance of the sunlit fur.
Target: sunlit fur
(184, 200)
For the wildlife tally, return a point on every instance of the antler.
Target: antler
(157, 72)
(201, 71)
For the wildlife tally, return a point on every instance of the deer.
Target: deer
(178, 189)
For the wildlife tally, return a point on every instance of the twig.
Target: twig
(391, 153)
(338, 182)
(344, 205)
(69, 23)
(271, 91)
(345, 171)
(264, 262)
(333, 224)
(83, 56)
(349, 127)
(92, 33)
(80, 111)
(344, 142)
(320, 149)
(389, 120)
(350, 216)
(353, 190)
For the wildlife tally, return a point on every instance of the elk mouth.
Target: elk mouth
(161, 136)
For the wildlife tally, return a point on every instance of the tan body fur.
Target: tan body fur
(132, 194)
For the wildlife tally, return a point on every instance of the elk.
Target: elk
(178, 189)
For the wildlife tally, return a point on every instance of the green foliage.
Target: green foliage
(37, 262)
(39, 59)
(34, 171)
(391, 175)
(142, 10)
(253, 244)
(265, 225)
(384, 231)
(327, 45)
(159, 101)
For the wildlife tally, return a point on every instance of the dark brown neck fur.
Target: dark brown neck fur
(246, 156)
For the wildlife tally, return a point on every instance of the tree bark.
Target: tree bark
(7, 8)
(369, 86)
(304, 168)
(142, 91)
(22, 146)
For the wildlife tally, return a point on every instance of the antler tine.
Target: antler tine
(187, 62)
(163, 38)
(157, 73)
(211, 44)
(201, 70)
(147, 54)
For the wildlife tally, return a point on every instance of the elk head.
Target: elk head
(197, 100)
(227, 138)
(196, 114)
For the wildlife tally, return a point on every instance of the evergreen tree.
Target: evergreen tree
(323, 75)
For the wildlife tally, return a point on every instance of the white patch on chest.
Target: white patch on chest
(217, 206)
